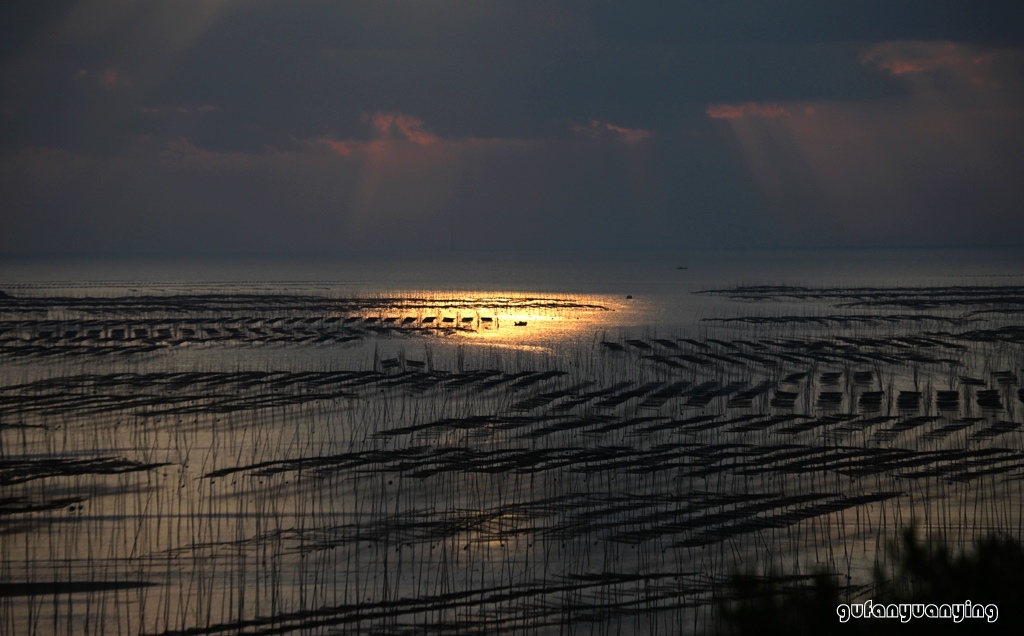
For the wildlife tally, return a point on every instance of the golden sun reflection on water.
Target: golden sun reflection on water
(503, 319)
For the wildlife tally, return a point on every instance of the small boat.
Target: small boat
(680, 267)
(520, 323)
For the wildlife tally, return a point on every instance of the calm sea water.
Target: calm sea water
(661, 284)
(594, 453)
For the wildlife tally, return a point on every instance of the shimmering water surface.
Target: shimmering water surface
(490, 444)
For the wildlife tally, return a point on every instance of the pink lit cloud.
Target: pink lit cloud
(343, 148)
(404, 175)
(935, 164)
(742, 111)
(390, 125)
(965, 64)
(107, 78)
(908, 58)
(598, 129)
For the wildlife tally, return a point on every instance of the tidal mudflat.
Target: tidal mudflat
(265, 460)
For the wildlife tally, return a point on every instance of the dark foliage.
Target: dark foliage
(990, 573)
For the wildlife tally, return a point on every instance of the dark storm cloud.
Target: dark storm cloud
(804, 21)
(319, 125)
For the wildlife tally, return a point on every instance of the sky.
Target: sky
(329, 127)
